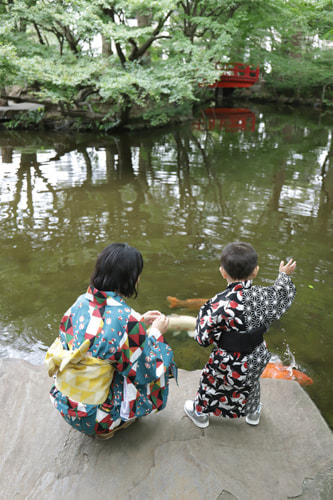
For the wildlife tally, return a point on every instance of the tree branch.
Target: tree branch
(40, 38)
(138, 52)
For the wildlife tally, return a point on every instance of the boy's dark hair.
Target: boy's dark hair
(117, 269)
(239, 260)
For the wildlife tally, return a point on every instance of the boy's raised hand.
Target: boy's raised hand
(288, 268)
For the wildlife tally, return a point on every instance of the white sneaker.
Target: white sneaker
(201, 421)
(254, 418)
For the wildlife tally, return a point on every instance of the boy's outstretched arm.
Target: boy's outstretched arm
(288, 268)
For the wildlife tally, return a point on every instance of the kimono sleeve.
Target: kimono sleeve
(130, 346)
(207, 325)
(280, 296)
(67, 334)
(66, 330)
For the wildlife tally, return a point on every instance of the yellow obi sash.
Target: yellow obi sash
(82, 378)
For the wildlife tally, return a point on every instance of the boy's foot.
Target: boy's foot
(201, 421)
(254, 418)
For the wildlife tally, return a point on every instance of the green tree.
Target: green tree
(290, 39)
(116, 60)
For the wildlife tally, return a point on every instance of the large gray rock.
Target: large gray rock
(12, 110)
(162, 456)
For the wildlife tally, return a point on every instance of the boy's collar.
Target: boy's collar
(244, 283)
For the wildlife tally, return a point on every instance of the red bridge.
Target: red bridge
(235, 75)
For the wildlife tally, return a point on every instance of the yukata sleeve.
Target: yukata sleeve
(207, 325)
(280, 296)
(66, 328)
(66, 331)
(130, 346)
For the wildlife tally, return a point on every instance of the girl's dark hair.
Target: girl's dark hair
(117, 269)
(239, 260)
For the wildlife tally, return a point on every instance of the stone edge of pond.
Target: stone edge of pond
(289, 455)
(54, 119)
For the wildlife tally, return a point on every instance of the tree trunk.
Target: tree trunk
(144, 20)
(106, 46)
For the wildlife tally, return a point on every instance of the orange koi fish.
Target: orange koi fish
(191, 304)
(277, 370)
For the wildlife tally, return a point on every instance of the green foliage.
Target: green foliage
(319, 15)
(60, 78)
(311, 71)
(159, 51)
(287, 39)
(31, 119)
(8, 64)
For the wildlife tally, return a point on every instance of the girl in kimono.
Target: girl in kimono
(108, 369)
(234, 322)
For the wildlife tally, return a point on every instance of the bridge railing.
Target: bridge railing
(235, 75)
(238, 70)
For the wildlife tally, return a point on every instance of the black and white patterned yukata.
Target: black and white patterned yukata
(229, 383)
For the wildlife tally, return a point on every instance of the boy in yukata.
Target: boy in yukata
(234, 321)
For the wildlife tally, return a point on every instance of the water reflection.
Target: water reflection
(229, 119)
(179, 195)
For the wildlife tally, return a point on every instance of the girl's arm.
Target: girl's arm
(133, 341)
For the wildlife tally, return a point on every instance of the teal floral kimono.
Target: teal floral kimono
(143, 362)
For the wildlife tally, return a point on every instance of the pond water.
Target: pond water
(260, 175)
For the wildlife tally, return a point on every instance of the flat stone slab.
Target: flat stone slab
(162, 456)
(15, 109)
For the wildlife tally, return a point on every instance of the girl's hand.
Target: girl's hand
(150, 316)
(161, 323)
(289, 268)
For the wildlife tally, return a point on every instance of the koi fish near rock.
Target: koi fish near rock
(278, 370)
(273, 370)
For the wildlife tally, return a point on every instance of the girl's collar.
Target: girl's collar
(104, 298)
